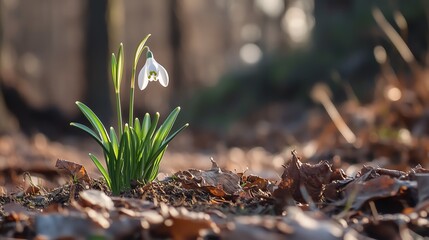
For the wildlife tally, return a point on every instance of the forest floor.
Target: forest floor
(370, 184)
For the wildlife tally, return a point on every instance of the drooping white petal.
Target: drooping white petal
(152, 71)
(143, 78)
(163, 76)
(152, 65)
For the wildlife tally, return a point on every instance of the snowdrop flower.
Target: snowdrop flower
(152, 71)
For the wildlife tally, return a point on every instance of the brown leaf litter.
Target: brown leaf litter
(312, 201)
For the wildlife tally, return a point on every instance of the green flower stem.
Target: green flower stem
(133, 81)
(130, 121)
(118, 109)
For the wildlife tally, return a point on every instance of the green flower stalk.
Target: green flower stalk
(134, 152)
(139, 51)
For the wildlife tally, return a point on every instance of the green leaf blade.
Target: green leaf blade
(120, 66)
(101, 169)
(165, 128)
(114, 141)
(113, 67)
(94, 120)
(91, 133)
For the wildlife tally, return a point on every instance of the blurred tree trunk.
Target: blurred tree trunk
(7, 122)
(98, 90)
(175, 11)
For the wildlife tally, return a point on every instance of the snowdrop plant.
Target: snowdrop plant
(134, 151)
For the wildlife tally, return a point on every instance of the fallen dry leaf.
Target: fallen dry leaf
(333, 190)
(215, 181)
(375, 189)
(377, 171)
(95, 199)
(76, 171)
(64, 226)
(252, 181)
(181, 224)
(312, 177)
(297, 224)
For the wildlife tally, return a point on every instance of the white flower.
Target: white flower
(152, 71)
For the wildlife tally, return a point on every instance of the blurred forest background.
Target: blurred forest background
(242, 70)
